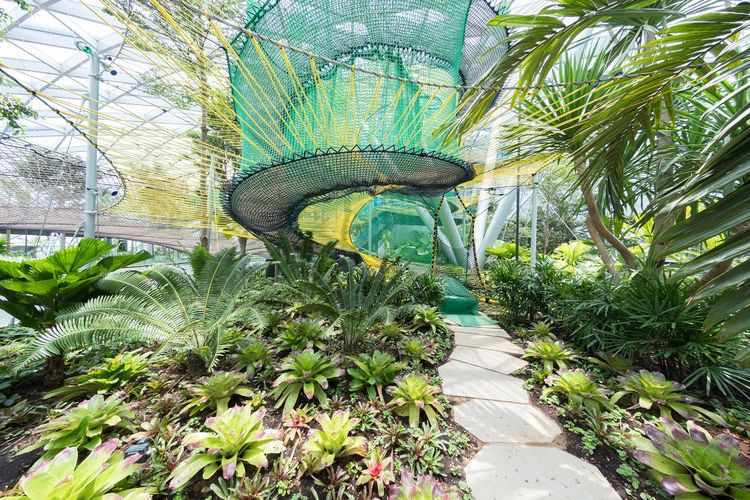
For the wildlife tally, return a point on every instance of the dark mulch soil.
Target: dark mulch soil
(12, 465)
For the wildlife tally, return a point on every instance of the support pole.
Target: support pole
(89, 224)
(534, 201)
(518, 218)
(445, 245)
(452, 233)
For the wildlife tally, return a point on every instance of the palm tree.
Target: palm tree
(688, 40)
(164, 304)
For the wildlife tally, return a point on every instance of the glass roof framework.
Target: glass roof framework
(137, 128)
(146, 138)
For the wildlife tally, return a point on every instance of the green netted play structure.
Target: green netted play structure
(347, 144)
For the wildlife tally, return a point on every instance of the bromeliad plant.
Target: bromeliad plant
(83, 426)
(237, 440)
(332, 441)
(307, 372)
(413, 395)
(373, 372)
(415, 350)
(428, 319)
(301, 335)
(647, 390)
(693, 464)
(114, 374)
(579, 388)
(550, 354)
(378, 472)
(253, 358)
(420, 488)
(94, 479)
(216, 391)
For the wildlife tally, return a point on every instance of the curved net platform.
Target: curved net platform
(364, 116)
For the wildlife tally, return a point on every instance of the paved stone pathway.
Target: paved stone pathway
(518, 460)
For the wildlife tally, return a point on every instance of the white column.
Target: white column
(89, 224)
(534, 201)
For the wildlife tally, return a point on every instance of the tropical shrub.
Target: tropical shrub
(413, 395)
(36, 291)
(301, 335)
(427, 289)
(83, 426)
(378, 472)
(550, 354)
(111, 376)
(352, 297)
(215, 391)
(372, 372)
(332, 441)
(252, 357)
(693, 464)
(421, 488)
(415, 350)
(427, 318)
(647, 390)
(390, 331)
(237, 440)
(307, 372)
(579, 388)
(518, 290)
(62, 478)
(296, 423)
(423, 450)
(162, 304)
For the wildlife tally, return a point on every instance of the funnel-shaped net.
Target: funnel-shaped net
(363, 114)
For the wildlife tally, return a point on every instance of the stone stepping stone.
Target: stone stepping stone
(466, 381)
(488, 342)
(497, 422)
(501, 471)
(493, 331)
(491, 360)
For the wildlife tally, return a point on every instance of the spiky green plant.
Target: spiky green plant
(421, 488)
(579, 388)
(83, 426)
(237, 440)
(163, 305)
(415, 350)
(253, 357)
(694, 464)
(112, 375)
(332, 441)
(428, 318)
(372, 372)
(378, 472)
(215, 392)
(307, 372)
(550, 354)
(413, 395)
(301, 335)
(95, 478)
(647, 390)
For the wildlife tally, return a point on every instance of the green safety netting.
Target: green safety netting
(362, 117)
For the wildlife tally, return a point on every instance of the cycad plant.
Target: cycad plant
(356, 300)
(162, 304)
(36, 291)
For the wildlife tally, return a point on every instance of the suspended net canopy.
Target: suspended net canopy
(321, 117)
(360, 121)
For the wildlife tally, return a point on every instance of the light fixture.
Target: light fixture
(84, 47)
